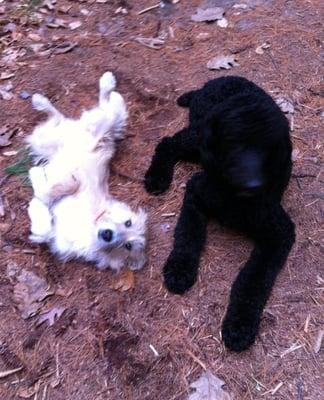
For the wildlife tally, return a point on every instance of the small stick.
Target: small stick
(4, 374)
(197, 360)
(148, 9)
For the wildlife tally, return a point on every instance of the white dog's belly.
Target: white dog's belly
(74, 227)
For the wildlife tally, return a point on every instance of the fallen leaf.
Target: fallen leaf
(6, 75)
(29, 291)
(6, 133)
(75, 25)
(295, 155)
(125, 281)
(55, 382)
(64, 47)
(209, 387)
(285, 105)
(35, 37)
(222, 62)
(63, 292)
(5, 91)
(152, 43)
(222, 23)
(51, 315)
(49, 4)
(27, 393)
(10, 153)
(56, 23)
(260, 49)
(208, 14)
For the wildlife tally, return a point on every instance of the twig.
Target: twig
(316, 195)
(4, 374)
(197, 360)
(4, 179)
(300, 391)
(148, 9)
(303, 176)
(131, 178)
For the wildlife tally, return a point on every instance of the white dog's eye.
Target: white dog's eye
(128, 246)
(128, 223)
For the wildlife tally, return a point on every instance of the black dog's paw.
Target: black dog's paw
(179, 275)
(157, 182)
(238, 335)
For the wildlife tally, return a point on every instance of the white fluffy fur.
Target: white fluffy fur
(71, 202)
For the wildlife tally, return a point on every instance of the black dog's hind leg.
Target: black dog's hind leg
(183, 146)
(253, 284)
(180, 270)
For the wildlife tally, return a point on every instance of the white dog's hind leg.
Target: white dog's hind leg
(39, 183)
(49, 191)
(41, 221)
(42, 103)
(114, 103)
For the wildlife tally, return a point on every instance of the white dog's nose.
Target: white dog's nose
(106, 235)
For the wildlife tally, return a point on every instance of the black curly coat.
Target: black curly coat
(241, 138)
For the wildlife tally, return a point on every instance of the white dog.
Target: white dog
(72, 210)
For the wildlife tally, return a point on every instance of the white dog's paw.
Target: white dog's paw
(107, 82)
(41, 221)
(40, 102)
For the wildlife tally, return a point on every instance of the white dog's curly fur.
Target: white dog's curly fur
(72, 209)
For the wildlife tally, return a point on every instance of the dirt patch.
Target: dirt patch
(146, 344)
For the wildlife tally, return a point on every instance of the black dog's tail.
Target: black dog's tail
(185, 99)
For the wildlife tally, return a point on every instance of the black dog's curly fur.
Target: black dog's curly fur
(241, 138)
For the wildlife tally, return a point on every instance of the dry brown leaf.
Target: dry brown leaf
(6, 75)
(5, 91)
(29, 291)
(260, 49)
(51, 315)
(222, 23)
(296, 155)
(286, 105)
(222, 62)
(208, 14)
(27, 393)
(75, 24)
(125, 281)
(65, 47)
(152, 43)
(209, 387)
(35, 37)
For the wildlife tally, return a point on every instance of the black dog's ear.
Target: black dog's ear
(185, 99)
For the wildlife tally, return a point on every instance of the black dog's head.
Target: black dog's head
(243, 144)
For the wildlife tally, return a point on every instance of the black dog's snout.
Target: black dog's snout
(253, 185)
(106, 234)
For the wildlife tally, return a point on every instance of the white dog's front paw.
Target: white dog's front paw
(40, 102)
(107, 82)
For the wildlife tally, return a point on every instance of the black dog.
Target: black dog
(241, 138)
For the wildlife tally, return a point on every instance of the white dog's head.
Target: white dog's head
(121, 233)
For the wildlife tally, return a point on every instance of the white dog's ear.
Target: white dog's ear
(42, 103)
(142, 215)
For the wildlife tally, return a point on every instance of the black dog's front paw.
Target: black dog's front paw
(238, 335)
(157, 182)
(179, 275)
